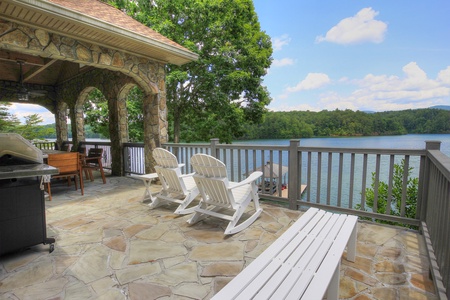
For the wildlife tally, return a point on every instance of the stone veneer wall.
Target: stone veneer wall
(115, 70)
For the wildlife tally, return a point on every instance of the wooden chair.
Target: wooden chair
(93, 161)
(219, 194)
(176, 187)
(68, 165)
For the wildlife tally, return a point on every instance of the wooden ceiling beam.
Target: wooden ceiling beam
(35, 71)
(13, 57)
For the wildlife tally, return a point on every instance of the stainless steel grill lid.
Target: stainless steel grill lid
(15, 150)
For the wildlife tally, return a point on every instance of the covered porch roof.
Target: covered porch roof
(91, 21)
(56, 51)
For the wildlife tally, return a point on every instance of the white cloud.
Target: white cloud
(444, 76)
(282, 62)
(21, 110)
(413, 90)
(357, 29)
(372, 92)
(312, 81)
(279, 42)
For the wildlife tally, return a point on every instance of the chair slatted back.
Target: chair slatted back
(169, 171)
(65, 162)
(170, 179)
(212, 181)
(165, 158)
(95, 152)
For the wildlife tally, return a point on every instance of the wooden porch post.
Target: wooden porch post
(293, 180)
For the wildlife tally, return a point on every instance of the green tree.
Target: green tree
(97, 118)
(96, 113)
(30, 130)
(135, 115)
(397, 192)
(7, 121)
(225, 84)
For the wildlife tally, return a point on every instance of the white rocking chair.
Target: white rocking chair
(219, 193)
(176, 187)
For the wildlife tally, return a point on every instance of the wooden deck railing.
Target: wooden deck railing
(336, 179)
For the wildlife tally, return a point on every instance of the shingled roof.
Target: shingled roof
(97, 22)
(105, 12)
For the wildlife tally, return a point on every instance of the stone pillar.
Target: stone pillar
(115, 136)
(61, 116)
(162, 112)
(79, 122)
(123, 120)
(150, 108)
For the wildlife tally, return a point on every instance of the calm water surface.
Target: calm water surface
(410, 141)
(318, 185)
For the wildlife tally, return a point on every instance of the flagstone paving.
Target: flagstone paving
(110, 245)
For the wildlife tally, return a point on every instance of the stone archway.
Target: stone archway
(71, 46)
(106, 69)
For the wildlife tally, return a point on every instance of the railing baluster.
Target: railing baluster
(390, 184)
(377, 183)
(363, 183)
(319, 176)
(330, 171)
(405, 186)
(352, 180)
(308, 176)
(341, 166)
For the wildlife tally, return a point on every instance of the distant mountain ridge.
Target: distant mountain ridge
(444, 107)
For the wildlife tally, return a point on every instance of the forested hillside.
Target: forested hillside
(297, 124)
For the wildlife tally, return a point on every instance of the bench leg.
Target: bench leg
(333, 287)
(351, 245)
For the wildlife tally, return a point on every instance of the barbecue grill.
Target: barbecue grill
(22, 201)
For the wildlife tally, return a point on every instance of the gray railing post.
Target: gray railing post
(214, 151)
(424, 179)
(433, 145)
(293, 180)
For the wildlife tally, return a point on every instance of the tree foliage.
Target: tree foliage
(395, 207)
(7, 121)
(96, 113)
(225, 84)
(97, 118)
(298, 124)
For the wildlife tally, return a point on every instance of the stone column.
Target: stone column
(61, 116)
(150, 108)
(115, 136)
(123, 120)
(79, 122)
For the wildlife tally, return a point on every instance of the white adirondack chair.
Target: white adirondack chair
(218, 193)
(176, 187)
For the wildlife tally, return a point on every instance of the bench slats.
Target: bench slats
(306, 268)
(263, 260)
(302, 260)
(325, 274)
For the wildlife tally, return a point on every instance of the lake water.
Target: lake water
(319, 184)
(409, 141)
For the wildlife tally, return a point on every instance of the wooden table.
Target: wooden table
(46, 152)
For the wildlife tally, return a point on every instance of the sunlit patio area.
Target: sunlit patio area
(110, 245)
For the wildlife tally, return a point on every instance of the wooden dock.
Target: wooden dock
(284, 193)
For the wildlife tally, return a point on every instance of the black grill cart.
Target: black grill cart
(22, 202)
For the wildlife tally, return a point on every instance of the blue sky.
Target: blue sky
(359, 55)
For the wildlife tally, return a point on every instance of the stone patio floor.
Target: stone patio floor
(110, 245)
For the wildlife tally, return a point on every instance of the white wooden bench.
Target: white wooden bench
(303, 263)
